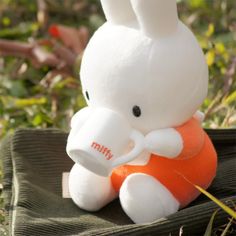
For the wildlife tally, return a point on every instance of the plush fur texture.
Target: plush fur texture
(144, 57)
(145, 199)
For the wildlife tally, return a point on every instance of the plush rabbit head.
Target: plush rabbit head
(145, 64)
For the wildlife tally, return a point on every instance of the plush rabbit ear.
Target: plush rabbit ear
(157, 18)
(118, 11)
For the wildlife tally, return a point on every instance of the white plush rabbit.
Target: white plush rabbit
(147, 66)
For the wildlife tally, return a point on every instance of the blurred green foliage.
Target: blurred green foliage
(25, 101)
(214, 23)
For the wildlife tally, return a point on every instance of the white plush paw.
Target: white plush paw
(88, 190)
(144, 199)
(164, 142)
(200, 116)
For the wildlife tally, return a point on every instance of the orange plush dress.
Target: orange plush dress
(196, 164)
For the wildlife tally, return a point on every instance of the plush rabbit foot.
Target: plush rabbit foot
(144, 199)
(88, 190)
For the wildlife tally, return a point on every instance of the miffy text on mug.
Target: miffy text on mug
(102, 149)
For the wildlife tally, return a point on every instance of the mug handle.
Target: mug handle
(138, 140)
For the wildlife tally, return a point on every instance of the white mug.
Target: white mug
(99, 144)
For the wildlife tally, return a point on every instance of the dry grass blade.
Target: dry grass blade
(227, 227)
(210, 225)
(42, 14)
(218, 202)
(227, 209)
(181, 231)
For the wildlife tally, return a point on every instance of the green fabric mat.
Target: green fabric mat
(34, 161)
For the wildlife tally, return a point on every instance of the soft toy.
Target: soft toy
(142, 72)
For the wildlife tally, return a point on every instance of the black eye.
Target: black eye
(87, 95)
(137, 111)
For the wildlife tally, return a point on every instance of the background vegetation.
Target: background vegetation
(41, 44)
(43, 94)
